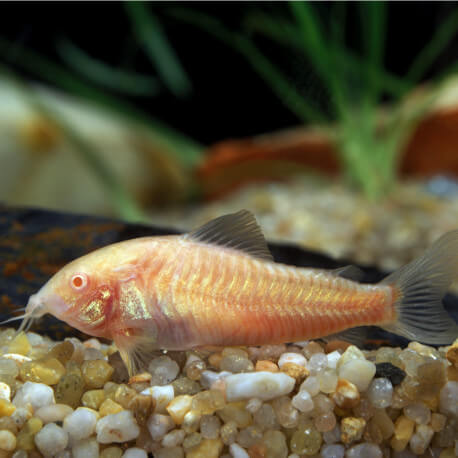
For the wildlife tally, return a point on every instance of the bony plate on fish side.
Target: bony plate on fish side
(36, 243)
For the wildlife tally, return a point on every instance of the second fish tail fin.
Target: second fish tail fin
(420, 287)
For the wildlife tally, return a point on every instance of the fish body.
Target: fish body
(219, 286)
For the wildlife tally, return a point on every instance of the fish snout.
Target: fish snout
(35, 306)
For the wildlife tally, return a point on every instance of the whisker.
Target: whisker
(14, 318)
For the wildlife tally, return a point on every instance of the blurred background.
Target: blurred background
(335, 123)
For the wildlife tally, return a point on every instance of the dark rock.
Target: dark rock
(388, 370)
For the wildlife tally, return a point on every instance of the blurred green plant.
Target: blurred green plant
(368, 149)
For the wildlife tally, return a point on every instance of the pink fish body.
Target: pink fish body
(219, 286)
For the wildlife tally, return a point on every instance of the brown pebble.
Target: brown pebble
(257, 451)
(295, 371)
(266, 365)
(142, 406)
(346, 394)
(452, 354)
(351, 429)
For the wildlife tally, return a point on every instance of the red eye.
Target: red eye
(79, 281)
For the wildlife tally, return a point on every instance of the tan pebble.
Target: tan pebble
(62, 351)
(111, 452)
(179, 407)
(208, 448)
(448, 453)
(236, 412)
(46, 370)
(145, 377)
(266, 365)
(6, 408)
(351, 429)
(403, 427)
(96, 373)
(452, 354)
(93, 399)
(346, 394)
(438, 422)
(296, 371)
(215, 360)
(208, 402)
(25, 438)
(124, 395)
(257, 451)
(142, 406)
(452, 373)
(20, 344)
(109, 407)
(7, 441)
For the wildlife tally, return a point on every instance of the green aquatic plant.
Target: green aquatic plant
(355, 84)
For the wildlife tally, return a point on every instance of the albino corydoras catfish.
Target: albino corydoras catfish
(218, 285)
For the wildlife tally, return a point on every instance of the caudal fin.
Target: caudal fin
(421, 286)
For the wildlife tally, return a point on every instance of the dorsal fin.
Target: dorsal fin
(238, 231)
(349, 272)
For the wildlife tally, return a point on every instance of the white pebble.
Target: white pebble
(134, 452)
(162, 396)
(364, 450)
(173, 438)
(36, 394)
(295, 358)
(238, 452)
(81, 423)
(118, 427)
(7, 441)
(53, 413)
(5, 391)
(333, 436)
(317, 363)
(360, 372)
(333, 359)
(19, 359)
(262, 385)
(163, 370)
(380, 393)
(86, 448)
(311, 384)
(418, 412)
(21, 415)
(303, 401)
(449, 399)
(92, 354)
(51, 439)
(208, 378)
(253, 405)
(332, 451)
(63, 454)
(159, 425)
(210, 426)
(20, 454)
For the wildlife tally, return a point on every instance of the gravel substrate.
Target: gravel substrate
(74, 399)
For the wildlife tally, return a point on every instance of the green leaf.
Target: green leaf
(285, 33)
(151, 35)
(432, 50)
(99, 72)
(279, 83)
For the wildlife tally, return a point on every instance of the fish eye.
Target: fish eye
(79, 281)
